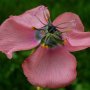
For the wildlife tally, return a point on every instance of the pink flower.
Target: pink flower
(52, 65)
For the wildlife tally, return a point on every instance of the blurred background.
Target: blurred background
(11, 74)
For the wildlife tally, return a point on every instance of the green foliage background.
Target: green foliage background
(11, 74)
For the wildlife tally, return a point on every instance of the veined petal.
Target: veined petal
(79, 38)
(36, 17)
(68, 21)
(15, 37)
(50, 67)
(71, 48)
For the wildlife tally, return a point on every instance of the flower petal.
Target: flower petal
(71, 48)
(68, 21)
(79, 38)
(36, 17)
(50, 67)
(15, 37)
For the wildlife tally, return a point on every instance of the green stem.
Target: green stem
(39, 88)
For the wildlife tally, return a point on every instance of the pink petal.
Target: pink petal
(15, 37)
(36, 17)
(79, 38)
(71, 48)
(50, 68)
(74, 22)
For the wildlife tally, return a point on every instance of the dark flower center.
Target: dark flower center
(52, 29)
(49, 35)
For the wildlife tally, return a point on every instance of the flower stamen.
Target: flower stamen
(43, 45)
